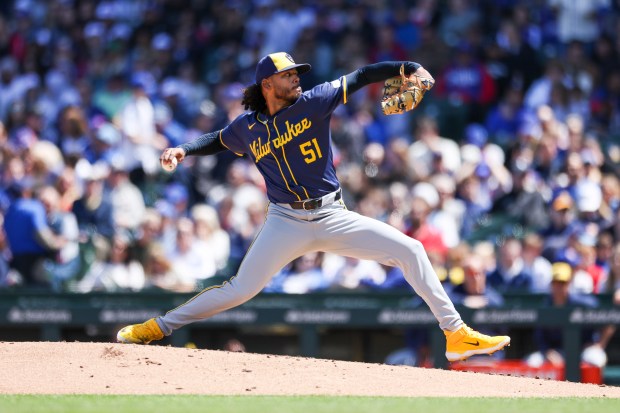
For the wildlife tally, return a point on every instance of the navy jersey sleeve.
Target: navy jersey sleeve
(327, 96)
(377, 72)
(232, 139)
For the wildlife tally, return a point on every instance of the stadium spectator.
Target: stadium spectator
(448, 215)
(431, 153)
(524, 204)
(106, 143)
(467, 82)
(209, 231)
(613, 284)
(137, 123)
(66, 263)
(177, 196)
(5, 279)
(424, 199)
(557, 233)
(93, 209)
(150, 232)
(303, 275)
(73, 139)
(578, 21)
(126, 198)
(374, 203)
(114, 270)
(468, 190)
(539, 92)
(587, 276)
(188, 259)
(535, 263)
(29, 236)
(549, 341)
(352, 273)
(460, 17)
(160, 274)
(510, 275)
(474, 292)
(505, 117)
(68, 82)
(548, 159)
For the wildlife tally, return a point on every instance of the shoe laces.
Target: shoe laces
(471, 332)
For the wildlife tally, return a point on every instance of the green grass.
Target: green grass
(313, 404)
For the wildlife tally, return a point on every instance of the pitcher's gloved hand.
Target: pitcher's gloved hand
(404, 93)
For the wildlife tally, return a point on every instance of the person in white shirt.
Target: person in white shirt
(190, 259)
(127, 200)
(430, 148)
(137, 122)
(118, 271)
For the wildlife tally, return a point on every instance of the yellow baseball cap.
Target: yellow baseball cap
(561, 271)
(276, 63)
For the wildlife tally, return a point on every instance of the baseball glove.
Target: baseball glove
(404, 93)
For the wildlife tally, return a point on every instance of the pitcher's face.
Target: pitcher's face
(286, 86)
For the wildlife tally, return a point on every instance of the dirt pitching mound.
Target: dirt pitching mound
(104, 368)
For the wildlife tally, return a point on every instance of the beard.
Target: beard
(286, 94)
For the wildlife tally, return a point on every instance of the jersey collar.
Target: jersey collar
(262, 118)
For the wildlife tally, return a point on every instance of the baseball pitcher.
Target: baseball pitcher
(286, 133)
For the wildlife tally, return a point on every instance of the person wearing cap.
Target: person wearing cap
(93, 209)
(560, 227)
(474, 292)
(286, 132)
(549, 341)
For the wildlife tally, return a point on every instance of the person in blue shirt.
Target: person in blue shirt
(510, 275)
(30, 238)
(474, 292)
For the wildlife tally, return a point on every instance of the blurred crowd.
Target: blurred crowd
(508, 172)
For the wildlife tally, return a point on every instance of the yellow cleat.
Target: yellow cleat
(140, 333)
(466, 342)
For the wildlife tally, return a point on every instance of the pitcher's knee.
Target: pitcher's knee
(415, 247)
(242, 293)
(406, 253)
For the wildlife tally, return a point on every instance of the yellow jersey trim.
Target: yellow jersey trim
(226, 146)
(279, 166)
(286, 161)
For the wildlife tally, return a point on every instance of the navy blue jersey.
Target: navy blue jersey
(292, 149)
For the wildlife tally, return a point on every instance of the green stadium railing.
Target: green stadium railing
(50, 313)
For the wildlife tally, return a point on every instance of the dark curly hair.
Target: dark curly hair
(253, 99)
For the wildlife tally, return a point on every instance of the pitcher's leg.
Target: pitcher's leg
(350, 234)
(281, 240)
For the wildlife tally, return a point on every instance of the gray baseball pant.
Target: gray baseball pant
(288, 233)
